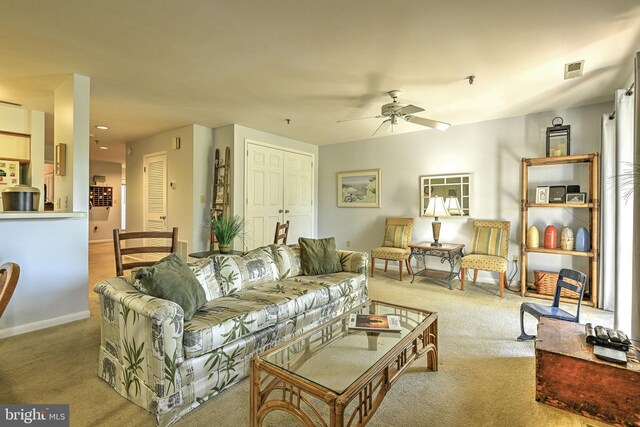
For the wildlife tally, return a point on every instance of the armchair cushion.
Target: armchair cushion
(484, 262)
(487, 241)
(172, 279)
(390, 253)
(319, 256)
(394, 236)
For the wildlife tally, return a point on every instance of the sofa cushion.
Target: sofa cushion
(205, 272)
(235, 272)
(224, 320)
(319, 256)
(287, 259)
(338, 284)
(172, 279)
(290, 297)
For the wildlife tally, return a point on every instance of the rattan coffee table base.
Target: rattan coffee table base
(275, 389)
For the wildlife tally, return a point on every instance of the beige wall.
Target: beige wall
(179, 171)
(490, 151)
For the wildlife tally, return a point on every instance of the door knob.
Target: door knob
(286, 211)
(163, 217)
(279, 210)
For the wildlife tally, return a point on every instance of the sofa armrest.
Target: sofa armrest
(143, 333)
(355, 262)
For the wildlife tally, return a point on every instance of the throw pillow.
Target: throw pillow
(487, 241)
(172, 279)
(319, 256)
(394, 237)
(204, 271)
(287, 259)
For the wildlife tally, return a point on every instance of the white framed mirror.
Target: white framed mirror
(454, 189)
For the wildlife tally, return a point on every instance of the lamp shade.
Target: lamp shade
(452, 205)
(436, 207)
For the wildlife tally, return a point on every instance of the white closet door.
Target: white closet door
(155, 199)
(264, 194)
(298, 195)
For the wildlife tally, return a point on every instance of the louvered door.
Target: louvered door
(155, 198)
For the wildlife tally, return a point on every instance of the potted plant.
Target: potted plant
(226, 228)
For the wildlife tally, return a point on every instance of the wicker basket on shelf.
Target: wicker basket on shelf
(545, 283)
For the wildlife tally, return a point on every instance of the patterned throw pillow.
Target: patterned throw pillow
(394, 237)
(206, 274)
(487, 241)
(235, 273)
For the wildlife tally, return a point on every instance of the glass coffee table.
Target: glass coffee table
(336, 376)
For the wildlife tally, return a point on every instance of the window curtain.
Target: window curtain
(620, 222)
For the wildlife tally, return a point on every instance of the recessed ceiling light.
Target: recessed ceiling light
(102, 147)
(103, 127)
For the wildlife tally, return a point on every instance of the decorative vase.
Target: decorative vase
(224, 249)
(583, 240)
(551, 237)
(533, 237)
(566, 239)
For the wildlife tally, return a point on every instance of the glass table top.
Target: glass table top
(335, 356)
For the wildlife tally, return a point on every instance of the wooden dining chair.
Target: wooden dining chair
(282, 230)
(9, 274)
(152, 247)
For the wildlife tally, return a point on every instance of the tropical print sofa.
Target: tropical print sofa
(169, 366)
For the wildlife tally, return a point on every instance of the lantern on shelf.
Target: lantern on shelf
(558, 138)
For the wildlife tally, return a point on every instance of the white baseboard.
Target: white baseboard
(100, 241)
(43, 324)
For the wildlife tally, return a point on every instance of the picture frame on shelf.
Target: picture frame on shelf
(576, 198)
(359, 189)
(542, 194)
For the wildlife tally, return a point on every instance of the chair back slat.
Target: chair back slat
(9, 274)
(282, 231)
(153, 241)
(574, 281)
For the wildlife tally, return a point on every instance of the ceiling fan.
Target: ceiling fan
(395, 110)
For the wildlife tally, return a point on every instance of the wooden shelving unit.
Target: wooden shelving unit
(593, 205)
(220, 197)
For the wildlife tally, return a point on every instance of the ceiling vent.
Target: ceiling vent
(573, 70)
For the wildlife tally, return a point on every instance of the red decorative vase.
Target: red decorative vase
(551, 237)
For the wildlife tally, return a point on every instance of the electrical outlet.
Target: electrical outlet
(515, 258)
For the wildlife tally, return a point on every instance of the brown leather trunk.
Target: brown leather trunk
(570, 377)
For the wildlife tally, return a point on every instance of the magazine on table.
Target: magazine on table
(375, 322)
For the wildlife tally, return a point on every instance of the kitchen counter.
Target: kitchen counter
(41, 215)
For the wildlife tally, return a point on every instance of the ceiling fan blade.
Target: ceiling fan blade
(441, 126)
(359, 118)
(384, 125)
(409, 109)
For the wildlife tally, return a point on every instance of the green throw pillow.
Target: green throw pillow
(172, 279)
(319, 256)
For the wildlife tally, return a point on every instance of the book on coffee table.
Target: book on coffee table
(375, 322)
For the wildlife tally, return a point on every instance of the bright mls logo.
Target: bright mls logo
(34, 415)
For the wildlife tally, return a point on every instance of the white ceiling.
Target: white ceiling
(156, 65)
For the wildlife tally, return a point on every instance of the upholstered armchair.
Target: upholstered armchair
(395, 246)
(489, 251)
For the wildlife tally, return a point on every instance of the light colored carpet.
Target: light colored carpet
(485, 377)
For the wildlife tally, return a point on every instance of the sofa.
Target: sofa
(169, 366)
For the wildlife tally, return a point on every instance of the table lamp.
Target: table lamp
(436, 209)
(452, 205)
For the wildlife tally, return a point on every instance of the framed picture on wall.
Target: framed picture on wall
(359, 189)
(542, 195)
(576, 198)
